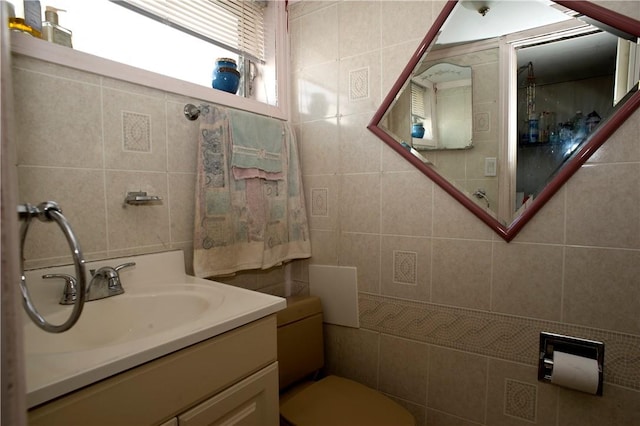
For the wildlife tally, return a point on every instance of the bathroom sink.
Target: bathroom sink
(162, 310)
(134, 315)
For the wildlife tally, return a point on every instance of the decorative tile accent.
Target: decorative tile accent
(136, 132)
(492, 334)
(520, 400)
(482, 122)
(359, 84)
(319, 202)
(405, 267)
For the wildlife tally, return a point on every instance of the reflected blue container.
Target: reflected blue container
(225, 75)
(417, 131)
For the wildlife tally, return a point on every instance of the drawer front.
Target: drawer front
(165, 387)
(253, 401)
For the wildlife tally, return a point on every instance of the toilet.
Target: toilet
(306, 400)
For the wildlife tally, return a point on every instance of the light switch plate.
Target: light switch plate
(490, 166)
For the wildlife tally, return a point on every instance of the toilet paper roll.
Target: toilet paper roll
(575, 372)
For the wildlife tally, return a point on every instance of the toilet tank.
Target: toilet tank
(300, 339)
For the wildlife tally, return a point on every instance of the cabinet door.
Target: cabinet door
(172, 422)
(253, 401)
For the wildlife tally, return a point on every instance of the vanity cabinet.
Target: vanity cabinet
(228, 379)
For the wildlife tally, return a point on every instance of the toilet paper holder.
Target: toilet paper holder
(551, 342)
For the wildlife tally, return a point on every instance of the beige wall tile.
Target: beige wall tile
(548, 225)
(406, 211)
(461, 273)
(360, 149)
(516, 398)
(315, 92)
(182, 189)
(318, 36)
(602, 207)
(601, 289)
(437, 418)
(457, 383)
(58, 121)
(352, 353)
(396, 57)
(356, 34)
(621, 146)
(319, 147)
(360, 203)
(66, 187)
(298, 9)
(403, 368)
(404, 20)
(450, 220)
(136, 226)
(618, 406)
(321, 196)
(125, 86)
(363, 252)
(324, 246)
(55, 70)
(527, 280)
(359, 83)
(182, 138)
(405, 267)
(147, 131)
(394, 162)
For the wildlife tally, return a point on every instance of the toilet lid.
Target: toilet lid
(337, 401)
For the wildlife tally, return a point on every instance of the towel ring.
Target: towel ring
(49, 211)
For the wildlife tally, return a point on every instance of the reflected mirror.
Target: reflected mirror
(505, 100)
(440, 108)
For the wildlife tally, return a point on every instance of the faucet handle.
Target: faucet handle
(70, 292)
(124, 265)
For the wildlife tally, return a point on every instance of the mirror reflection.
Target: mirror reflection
(441, 107)
(560, 101)
(537, 82)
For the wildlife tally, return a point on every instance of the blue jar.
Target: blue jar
(225, 75)
(226, 63)
(417, 130)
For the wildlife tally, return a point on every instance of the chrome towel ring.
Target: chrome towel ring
(46, 212)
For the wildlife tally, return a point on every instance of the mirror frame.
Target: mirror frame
(597, 139)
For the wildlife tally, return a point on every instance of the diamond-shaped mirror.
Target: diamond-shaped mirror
(503, 101)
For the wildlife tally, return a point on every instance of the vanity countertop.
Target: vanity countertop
(162, 310)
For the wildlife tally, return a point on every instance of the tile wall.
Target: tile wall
(84, 141)
(450, 314)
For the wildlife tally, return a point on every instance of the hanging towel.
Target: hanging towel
(257, 146)
(249, 223)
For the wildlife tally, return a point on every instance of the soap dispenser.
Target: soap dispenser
(53, 32)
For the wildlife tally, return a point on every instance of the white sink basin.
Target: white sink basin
(136, 314)
(162, 310)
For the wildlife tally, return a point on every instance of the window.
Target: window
(180, 39)
(423, 110)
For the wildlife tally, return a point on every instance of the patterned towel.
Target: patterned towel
(248, 223)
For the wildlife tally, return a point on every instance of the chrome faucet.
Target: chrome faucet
(105, 282)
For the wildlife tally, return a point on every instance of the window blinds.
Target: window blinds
(235, 25)
(417, 100)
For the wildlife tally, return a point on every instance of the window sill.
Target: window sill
(26, 45)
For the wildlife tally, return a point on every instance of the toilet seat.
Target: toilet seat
(338, 401)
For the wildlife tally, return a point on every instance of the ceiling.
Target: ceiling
(579, 57)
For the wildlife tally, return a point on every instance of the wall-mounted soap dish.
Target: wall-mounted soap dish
(141, 197)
